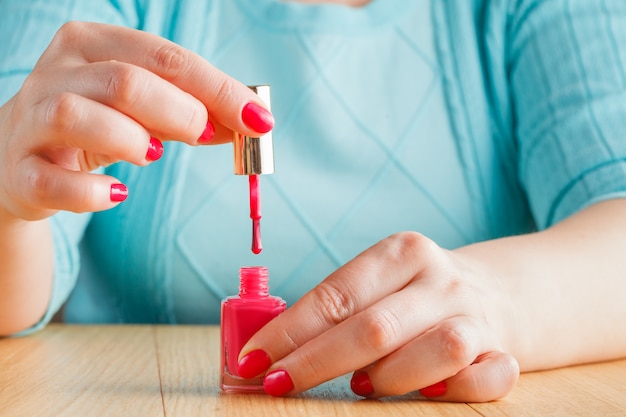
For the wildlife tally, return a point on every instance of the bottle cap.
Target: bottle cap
(254, 155)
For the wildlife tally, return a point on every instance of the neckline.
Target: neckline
(277, 15)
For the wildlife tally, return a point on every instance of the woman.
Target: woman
(485, 138)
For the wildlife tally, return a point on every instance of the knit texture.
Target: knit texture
(462, 120)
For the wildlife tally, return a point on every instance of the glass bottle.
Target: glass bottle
(242, 316)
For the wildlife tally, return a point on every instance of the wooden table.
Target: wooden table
(173, 371)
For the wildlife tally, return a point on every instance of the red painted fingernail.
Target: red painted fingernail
(277, 383)
(119, 192)
(253, 364)
(207, 135)
(361, 384)
(155, 149)
(257, 118)
(435, 390)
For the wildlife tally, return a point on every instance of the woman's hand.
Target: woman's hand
(101, 94)
(406, 315)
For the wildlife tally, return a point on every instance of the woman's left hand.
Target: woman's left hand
(405, 315)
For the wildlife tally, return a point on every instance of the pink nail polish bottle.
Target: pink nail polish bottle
(242, 316)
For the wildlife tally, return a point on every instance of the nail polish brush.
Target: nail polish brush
(254, 156)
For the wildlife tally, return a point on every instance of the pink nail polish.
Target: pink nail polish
(242, 316)
(257, 118)
(435, 390)
(255, 212)
(254, 364)
(207, 135)
(155, 149)
(119, 192)
(361, 384)
(278, 383)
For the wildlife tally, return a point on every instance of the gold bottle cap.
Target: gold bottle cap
(253, 155)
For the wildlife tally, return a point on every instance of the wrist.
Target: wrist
(501, 309)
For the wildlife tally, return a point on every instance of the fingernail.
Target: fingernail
(119, 192)
(257, 118)
(277, 383)
(155, 149)
(435, 390)
(254, 363)
(361, 384)
(207, 135)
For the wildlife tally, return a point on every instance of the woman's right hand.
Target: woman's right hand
(101, 94)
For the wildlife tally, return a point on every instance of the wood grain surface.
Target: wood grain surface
(130, 370)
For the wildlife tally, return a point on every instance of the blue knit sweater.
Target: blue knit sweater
(465, 120)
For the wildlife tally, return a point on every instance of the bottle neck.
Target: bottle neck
(253, 282)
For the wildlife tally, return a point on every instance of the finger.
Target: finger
(366, 338)
(50, 186)
(162, 108)
(354, 343)
(383, 269)
(491, 377)
(435, 355)
(74, 121)
(224, 97)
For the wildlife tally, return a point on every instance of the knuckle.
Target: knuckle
(457, 345)
(415, 242)
(315, 366)
(38, 186)
(123, 84)
(172, 60)
(33, 81)
(380, 329)
(403, 244)
(29, 95)
(224, 92)
(49, 191)
(336, 306)
(62, 112)
(69, 33)
(290, 339)
(84, 201)
(195, 122)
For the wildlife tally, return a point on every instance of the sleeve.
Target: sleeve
(26, 28)
(567, 68)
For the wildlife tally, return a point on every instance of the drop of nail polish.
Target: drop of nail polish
(257, 245)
